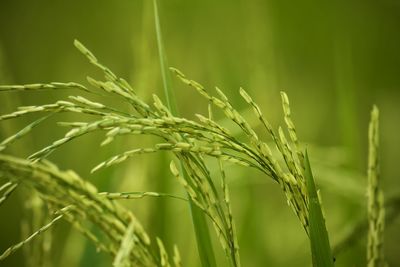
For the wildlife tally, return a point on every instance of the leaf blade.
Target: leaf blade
(319, 239)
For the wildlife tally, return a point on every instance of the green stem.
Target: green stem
(203, 238)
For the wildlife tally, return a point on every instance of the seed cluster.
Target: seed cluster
(190, 141)
(77, 201)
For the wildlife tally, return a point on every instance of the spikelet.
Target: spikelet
(122, 259)
(43, 86)
(376, 211)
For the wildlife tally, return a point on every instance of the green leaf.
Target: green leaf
(319, 240)
(203, 239)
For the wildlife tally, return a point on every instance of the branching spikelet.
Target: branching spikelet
(8, 189)
(177, 257)
(122, 259)
(163, 254)
(17, 246)
(77, 201)
(138, 195)
(189, 189)
(291, 128)
(259, 151)
(43, 86)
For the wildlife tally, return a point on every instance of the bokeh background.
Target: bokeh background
(335, 59)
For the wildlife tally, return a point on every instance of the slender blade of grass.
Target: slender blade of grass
(165, 74)
(319, 240)
(163, 184)
(203, 238)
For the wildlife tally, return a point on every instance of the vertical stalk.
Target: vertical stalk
(203, 239)
(376, 210)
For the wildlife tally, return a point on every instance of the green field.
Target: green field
(135, 136)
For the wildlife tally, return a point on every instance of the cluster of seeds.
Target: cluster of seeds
(190, 141)
(77, 201)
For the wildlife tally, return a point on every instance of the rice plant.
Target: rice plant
(193, 143)
(189, 140)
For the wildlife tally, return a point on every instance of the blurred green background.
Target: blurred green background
(333, 58)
